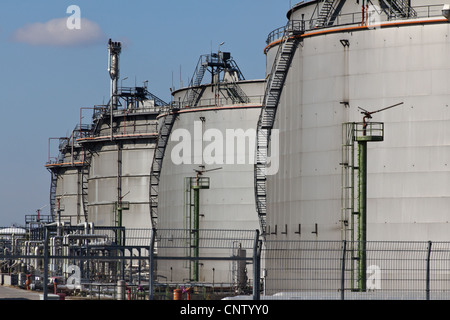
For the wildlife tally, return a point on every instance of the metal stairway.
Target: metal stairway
(155, 172)
(399, 8)
(53, 184)
(274, 87)
(87, 157)
(194, 92)
(325, 13)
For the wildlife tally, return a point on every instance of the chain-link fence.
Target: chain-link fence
(119, 263)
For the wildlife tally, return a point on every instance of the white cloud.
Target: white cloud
(56, 33)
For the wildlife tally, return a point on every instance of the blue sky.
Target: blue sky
(45, 79)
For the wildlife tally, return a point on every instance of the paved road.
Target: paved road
(10, 293)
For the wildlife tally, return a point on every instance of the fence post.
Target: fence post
(256, 267)
(344, 250)
(151, 264)
(428, 271)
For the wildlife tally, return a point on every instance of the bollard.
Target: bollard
(28, 282)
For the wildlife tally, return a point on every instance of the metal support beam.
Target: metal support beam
(362, 215)
(46, 261)
(257, 267)
(196, 233)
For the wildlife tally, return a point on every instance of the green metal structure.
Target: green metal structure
(193, 187)
(364, 133)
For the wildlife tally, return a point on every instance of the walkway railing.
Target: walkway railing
(356, 18)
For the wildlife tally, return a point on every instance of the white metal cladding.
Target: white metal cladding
(229, 203)
(408, 173)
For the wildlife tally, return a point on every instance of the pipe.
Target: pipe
(88, 227)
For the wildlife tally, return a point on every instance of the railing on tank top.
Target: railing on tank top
(354, 18)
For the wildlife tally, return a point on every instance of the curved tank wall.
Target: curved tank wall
(228, 202)
(334, 72)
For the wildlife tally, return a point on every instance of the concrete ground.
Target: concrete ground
(12, 293)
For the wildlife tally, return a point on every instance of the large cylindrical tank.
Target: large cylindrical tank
(119, 166)
(371, 61)
(197, 151)
(384, 64)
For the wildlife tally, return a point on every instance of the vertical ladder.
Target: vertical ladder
(350, 172)
(158, 157)
(274, 87)
(348, 181)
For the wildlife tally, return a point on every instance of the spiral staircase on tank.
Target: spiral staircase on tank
(155, 172)
(274, 88)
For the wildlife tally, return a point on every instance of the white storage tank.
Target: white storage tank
(335, 71)
(211, 144)
(348, 59)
